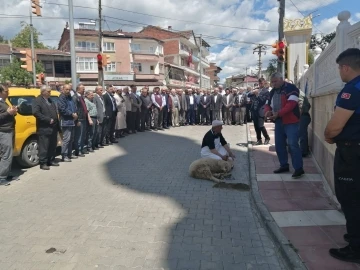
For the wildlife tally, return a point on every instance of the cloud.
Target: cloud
(232, 48)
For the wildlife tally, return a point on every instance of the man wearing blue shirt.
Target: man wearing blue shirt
(344, 130)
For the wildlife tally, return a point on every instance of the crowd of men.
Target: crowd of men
(89, 120)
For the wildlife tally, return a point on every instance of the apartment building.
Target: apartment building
(134, 59)
(183, 60)
(213, 72)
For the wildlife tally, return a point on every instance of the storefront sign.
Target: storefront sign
(118, 77)
(176, 82)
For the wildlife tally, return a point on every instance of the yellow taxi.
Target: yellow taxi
(26, 141)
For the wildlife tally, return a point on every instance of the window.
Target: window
(136, 67)
(109, 46)
(151, 50)
(111, 67)
(182, 61)
(24, 104)
(4, 62)
(161, 68)
(87, 46)
(86, 64)
(135, 47)
(152, 68)
(48, 66)
(161, 49)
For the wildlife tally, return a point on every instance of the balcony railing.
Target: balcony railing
(87, 49)
(145, 52)
(147, 77)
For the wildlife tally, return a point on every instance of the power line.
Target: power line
(304, 16)
(172, 19)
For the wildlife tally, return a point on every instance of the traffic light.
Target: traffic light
(281, 51)
(100, 61)
(105, 60)
(36, 8)
(276, 47)
(27, 59)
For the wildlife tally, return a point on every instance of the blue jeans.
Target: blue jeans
(80, 133)
(305, 120)
(289, 133)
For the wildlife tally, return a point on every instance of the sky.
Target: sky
(233, 28)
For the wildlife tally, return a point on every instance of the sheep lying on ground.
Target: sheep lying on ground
(210, 169)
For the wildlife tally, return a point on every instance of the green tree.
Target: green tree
(310, 58)
(323, 42)
(17, 75)
(272, 67)
(23, 38)
(3, 39)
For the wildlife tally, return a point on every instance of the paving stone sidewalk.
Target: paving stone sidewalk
(302, 208)
(133, 206)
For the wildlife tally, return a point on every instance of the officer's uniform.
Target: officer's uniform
(347, 161)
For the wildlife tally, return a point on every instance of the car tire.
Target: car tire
(29, 156)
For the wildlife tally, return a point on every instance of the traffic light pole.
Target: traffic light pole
(72, 45)
(32, 46)
(281, 65)
(100, 72)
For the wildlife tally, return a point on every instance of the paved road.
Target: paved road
(133, 206)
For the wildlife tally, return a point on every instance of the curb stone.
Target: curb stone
(289, 255)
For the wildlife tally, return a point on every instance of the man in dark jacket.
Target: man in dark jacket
(283, 107)
(47, 127)
(68, 116)
(110, 115)
(7, 128)
(81, 123)
(205, 102)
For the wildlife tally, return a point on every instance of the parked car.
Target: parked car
(26, 141)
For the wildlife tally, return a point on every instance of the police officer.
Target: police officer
(344, 130)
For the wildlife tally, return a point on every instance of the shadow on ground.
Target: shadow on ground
(185, 223)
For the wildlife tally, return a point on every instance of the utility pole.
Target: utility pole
(32, 46)
(246, 69)
(281, 65)
(260, 49)
(72, 45)
(200, 62)
(100, 72)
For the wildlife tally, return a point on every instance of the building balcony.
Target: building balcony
(148, 77)
(138, 57)
(184, 53)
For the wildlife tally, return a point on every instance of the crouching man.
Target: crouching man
(214, 144)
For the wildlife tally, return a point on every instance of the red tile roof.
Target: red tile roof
(44, 51)
(5, 49)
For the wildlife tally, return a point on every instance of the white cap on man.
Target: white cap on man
(217, 123)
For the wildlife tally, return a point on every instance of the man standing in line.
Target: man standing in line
(110, 112)
(100, 108)
(135, 110)
(81, 123)
(68, 116)
(158, 101)
(184, 108)
(216, 102)
(47, 127)
(283, 108)
(145, 108)
(344, 130)
(175, 108)
(305, 120)
(228, 103)
(7, 129)
(165, 108)
(191, 101)
(248, 117)
(126, 96)
(198, 107)
(205, 102)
